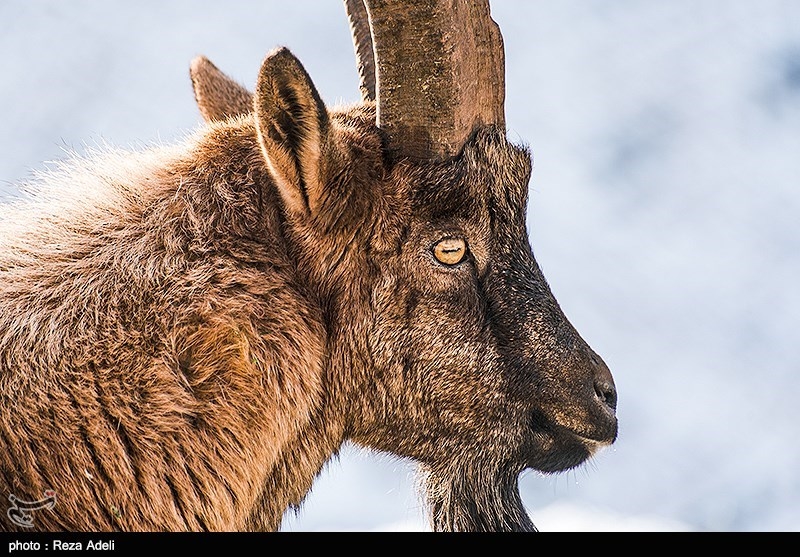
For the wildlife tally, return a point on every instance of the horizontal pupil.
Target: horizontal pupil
(450, 251)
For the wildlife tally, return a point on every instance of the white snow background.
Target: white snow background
(665, 213)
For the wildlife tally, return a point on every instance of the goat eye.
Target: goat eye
(450, 251)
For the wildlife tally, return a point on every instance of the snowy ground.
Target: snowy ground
(664, 212)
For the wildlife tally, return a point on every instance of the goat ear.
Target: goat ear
(217, 95)
(292, 124)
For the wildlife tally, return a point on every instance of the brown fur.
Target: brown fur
(217, 95)
(188, 334)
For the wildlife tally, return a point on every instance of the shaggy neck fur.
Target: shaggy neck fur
(191, 392)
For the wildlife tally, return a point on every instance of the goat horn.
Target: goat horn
(362, 42)
(439, 71)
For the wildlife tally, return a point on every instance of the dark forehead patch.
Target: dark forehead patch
(490, 174)
(506, 167)
(445, 192)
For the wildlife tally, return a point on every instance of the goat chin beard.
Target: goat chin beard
(474, 499)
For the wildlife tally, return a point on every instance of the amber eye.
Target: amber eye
(450, 251)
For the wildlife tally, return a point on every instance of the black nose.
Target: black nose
(604, 388)
(606, 393)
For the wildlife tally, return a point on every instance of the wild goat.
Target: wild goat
(188, 334)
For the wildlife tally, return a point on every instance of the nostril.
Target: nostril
(606, 393)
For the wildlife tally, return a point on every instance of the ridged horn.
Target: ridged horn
(438, 70)
(362, 42)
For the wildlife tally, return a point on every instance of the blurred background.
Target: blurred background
(665, 212)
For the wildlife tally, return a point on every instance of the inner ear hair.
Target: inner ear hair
(293, 126)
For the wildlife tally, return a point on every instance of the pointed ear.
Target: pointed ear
(293, 125)
(218, 96)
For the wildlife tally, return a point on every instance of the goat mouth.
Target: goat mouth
(553, 447)
(599, 437)
(598, 427)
